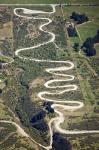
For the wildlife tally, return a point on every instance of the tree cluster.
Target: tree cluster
(47, 106)
(88, 45)
(79, 18)
(60, 143)
(38, 116)
(71, 31)
(41, 126)
(76, 47)
(0, 91)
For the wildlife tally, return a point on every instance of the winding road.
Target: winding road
(66, 65)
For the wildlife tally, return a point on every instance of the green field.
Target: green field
(46, 1)
(92, 11)
(74, 40)
(97, 50)
(88, 30)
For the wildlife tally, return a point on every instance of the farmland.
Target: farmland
(46, 1)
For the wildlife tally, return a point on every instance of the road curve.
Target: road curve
(66, 65)
(11, 60)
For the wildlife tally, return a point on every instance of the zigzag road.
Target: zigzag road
(66, 65)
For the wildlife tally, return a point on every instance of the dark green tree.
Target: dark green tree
(76, 47)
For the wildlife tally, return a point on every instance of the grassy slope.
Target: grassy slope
(88, 30)
(47, 1)
(97, 49)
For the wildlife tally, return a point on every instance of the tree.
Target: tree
(71, 31)
(79, 18)
(96, 38)
(0, 65)
(76, 47)
(0, 91)
(88, 47)
(60, 143)
(91, 51)
(47, 106)
(88, 43)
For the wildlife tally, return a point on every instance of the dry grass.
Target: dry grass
(6, 32)
(37, 82)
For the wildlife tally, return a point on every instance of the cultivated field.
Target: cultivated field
(47, 1)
